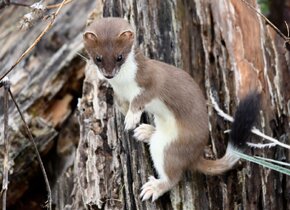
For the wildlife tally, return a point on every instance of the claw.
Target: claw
(146, 195)
(144, 132)
(153, 188)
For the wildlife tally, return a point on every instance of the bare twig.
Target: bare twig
(287, 39)
(219, 111)
(6, 163)
(254, 130)
(259, 133)
(53, 6)
(8, 3)
(6, 95)
(36, 151)
(261, 146)
(28, 50)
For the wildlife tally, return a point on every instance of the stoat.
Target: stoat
(180, 134)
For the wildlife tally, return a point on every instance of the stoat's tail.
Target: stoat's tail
(245, 117)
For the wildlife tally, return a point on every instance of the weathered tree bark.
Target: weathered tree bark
(224, 45)
(47, 85)
(227, 48)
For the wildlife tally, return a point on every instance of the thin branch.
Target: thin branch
(254, 130)
(218, 109)
(53, 6)
(261, 146)
(6, 163)
(36, 151)
(259, 133)
(29, 49)
(6, 95)
(287, 39)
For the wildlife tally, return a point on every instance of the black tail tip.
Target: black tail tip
(245, 117)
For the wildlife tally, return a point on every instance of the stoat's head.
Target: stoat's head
(108, 42)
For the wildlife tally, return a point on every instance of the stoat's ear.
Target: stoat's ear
(89, 36)
(127, 35)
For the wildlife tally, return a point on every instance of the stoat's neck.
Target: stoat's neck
(124, 83)
(127, 72)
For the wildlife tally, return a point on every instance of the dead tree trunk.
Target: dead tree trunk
(228, 50)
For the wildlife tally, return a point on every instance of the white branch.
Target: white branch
(269, 138)
(261, 146)
(219, 111)
(254, 130)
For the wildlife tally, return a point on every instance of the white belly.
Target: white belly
(166, 132)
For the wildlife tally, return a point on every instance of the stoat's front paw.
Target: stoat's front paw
(132, 119)
(144, 132)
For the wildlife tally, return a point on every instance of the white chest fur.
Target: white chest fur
(124, 83)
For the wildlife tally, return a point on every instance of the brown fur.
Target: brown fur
(117, 39)
(188, 105)
(213, 167)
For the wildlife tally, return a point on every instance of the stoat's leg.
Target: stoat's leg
(136, 108)
(132, 116)
(144, 132)
(169, 173)
(156, 187)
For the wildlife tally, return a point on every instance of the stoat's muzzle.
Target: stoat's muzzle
(109, 74)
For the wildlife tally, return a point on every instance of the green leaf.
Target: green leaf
(274, 161)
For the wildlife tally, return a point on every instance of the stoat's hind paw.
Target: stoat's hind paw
(153, 188)
(144, 132)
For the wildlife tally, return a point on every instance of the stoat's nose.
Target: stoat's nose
(108, 76)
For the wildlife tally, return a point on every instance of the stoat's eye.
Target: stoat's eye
(98, 58)
(119, 58)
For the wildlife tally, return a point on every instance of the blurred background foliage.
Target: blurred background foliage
(264, 6)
